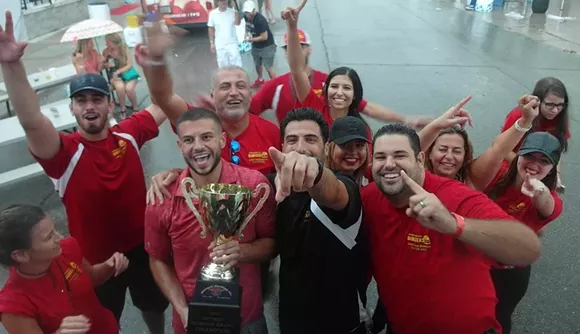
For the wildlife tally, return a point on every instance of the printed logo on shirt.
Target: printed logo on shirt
(515, 208)
(418, 242)
(258, 157)
(318, 91)
(307, 214)
(72, 272)
(120, 151)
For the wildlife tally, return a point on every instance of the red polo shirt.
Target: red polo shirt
(545, 125)
(46, 298)
(255, 141)
(102, 186)
(521, 207)
(279, 94)
(431, 282)
(172, 233)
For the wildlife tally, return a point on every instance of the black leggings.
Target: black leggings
(510, 287)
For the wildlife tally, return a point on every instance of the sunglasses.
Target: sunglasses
(234, 150)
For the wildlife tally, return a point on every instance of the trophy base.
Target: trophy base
(215, 307)
(216, 272)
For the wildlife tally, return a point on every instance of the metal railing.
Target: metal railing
(24, 4)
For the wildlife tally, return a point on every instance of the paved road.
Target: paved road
(415, 56)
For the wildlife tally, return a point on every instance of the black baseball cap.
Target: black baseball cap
(542, 142)
(89, 81)
(348, 128)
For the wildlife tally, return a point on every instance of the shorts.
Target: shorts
(229, 55)
(138, 278)
(264, 56)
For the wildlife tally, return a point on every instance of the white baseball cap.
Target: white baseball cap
(249, 6)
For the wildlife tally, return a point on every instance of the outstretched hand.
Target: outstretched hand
(294, 171)
(10, 50)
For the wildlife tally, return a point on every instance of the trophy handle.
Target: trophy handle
(259, 206)
(189, 194)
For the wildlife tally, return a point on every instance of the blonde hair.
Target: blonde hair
(332, 165)
(117, 40)
(81, 47)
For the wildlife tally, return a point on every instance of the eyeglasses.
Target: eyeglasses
(235, 149)
(560, 106)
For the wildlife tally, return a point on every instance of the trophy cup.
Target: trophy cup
(223, 212)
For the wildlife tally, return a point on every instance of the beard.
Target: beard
(218, 157)
(94, 127)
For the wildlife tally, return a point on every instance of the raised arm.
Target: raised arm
(453, 116)
(238, 17)
(296, 59)
(152, 59)
(485, 167)
(43, 138)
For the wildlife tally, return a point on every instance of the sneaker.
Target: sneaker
(469, 7)
(257, 83)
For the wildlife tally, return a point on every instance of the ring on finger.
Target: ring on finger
(422, 204)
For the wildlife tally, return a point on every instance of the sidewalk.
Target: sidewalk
(45, 52)
(559, 27)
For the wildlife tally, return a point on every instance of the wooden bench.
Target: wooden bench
(15, 175)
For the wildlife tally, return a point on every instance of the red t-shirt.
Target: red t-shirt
(521, 207)
(431, 282)
(545, 125)
(255, 141)
(279, 94)
(46, 298)
(102, 186)
(172, 233)
(319, 103)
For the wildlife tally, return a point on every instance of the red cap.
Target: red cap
(302, 35)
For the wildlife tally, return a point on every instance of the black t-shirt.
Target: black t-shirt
(257, 27)
(320, 277)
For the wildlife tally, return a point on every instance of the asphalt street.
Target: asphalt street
(414, 56)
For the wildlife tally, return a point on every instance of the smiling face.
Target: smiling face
(393, 153)
(44, 244)
(349, 157)
(232, 94)
(340, 92)
(536, 164)
(447, 155)
(552, 105)
(201, 142)
(91, 110)
(304, 137)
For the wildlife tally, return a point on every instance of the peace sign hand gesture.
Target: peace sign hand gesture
(10, 50)
(427, 209)
(290, 15)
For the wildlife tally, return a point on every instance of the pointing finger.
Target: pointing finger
(301, 5)
(414, 186)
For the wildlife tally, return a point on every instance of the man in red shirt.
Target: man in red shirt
(429, 240)
(97, 173)
(248, 136)
(172, 234)
(279, 94)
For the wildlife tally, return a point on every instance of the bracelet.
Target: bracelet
(460, 225)
(519, 128)
(320, 172)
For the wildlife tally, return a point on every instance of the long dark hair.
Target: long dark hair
(356, 86)
(500, 187)
(543, 88)
(462, 173)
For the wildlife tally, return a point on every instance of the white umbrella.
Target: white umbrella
(90, 28)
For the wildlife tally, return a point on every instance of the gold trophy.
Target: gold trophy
(223, 212)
